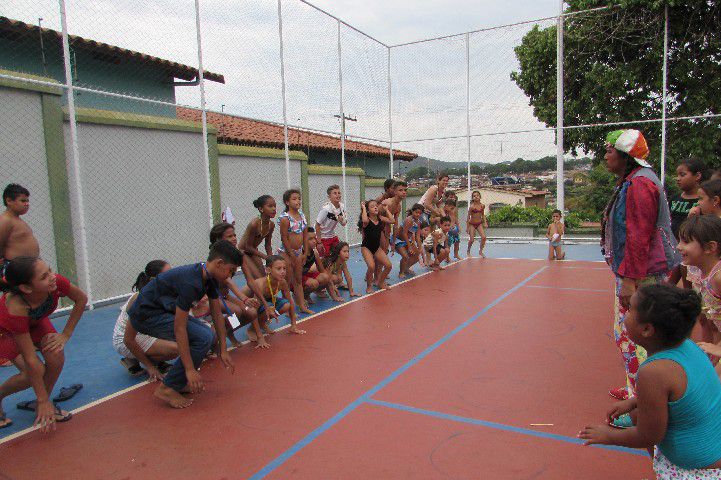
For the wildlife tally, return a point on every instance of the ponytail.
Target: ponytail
(152, 270)
(19, 271)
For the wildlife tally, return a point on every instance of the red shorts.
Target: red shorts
(327, 243)
(308, 275)
(8, 347)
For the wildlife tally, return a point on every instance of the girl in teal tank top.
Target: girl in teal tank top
(676, 410)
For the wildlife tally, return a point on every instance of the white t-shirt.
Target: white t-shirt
(328, 219)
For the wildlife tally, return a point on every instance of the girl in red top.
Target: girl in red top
(32, 295)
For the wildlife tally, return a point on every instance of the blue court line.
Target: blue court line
(501, 426)
(571, 289)
(280, 460)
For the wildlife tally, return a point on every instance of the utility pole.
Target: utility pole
(342, 123)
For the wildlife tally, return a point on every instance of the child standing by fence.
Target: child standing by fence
(294, 244)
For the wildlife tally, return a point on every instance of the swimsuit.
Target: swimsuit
(710, 298)
(295, 226)
(454, 235)
(372, 236)
(277, 302)
(412, 229)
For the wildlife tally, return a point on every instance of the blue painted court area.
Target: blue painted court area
(91, 360)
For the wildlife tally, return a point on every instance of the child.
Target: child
(709, 199)
(315, 278)
(136, 348)
(454, 234)
(391, 208)
(16, 236)
(259, 229)
(372, 224)
(388, 190)
(431, 199)
(436, 243)
(408, 243)
(423, 232)
(554, 233)
(330, 215)
(269, 287)
(294, 244)
(476, 222)
(689, 175)
(700, 247)
(161, 310)
(336, 265)
(32, 295)
(675, 412)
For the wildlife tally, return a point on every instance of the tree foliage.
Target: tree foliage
(613, 73)
(541, 217)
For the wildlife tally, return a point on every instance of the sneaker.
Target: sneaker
(620, 393)
(623, 421)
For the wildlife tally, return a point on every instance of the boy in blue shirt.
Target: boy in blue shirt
(161, 310)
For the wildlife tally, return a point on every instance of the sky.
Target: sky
(240, 40)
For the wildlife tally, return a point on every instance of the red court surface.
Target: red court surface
(440, 377)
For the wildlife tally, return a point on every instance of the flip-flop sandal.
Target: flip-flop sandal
(66, 393)
(3, 418)
(63, 417)
(133, 367)
(342, 287)
(27, 405)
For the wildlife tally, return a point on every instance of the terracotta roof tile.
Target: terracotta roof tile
(244, 131)
(177, 70)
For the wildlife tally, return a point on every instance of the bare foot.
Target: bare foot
(170, 396)
(252, 335)
(306, 310)
(402, 275)
(370, 289)
(296, 330)
(309, 300)
(4, 421)
(385, 286)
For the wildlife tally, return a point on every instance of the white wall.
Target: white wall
(23, 161)
(145, 197)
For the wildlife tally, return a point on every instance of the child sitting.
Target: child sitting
(136, 348)
(315, 278)
(700, 247)
(554, 233)
(33, 291)
(259, 230)
(675, 411)
(436, 243)
(330, 215)
(269, 287)
(372, 224)
(162, 310)
(408, 243)
(336, 265)
(454, 234)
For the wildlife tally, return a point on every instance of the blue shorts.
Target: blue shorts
(279, 304)
(401, 243)
(555, 244)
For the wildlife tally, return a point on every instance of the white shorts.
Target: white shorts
(665, 470)
(144, 341)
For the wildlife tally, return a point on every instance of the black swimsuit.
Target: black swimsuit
(372, 236)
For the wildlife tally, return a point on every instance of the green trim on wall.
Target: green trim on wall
(304, 189)
(108, 117)
(33, 87)
(214, 176)
(58, 186)
(262, 152)
(329, 170)
(362, 188)
(374, 182)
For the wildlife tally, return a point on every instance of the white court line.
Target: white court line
(146, 382)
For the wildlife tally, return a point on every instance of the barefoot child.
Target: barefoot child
(477, 222)
(315, 278)
(436, 244)
(136, 348)
(431, 199)
(454, 234)
(330, 215)
(269, 287)
(32, 295)
(258, 231)
(700, 247)
(336, 263)
(371, 224)
(675, 411)
(161, 310)
(294, 244)
(554, 233)
(423, 233)
(16, 236)
(391, 208)
(408, 243)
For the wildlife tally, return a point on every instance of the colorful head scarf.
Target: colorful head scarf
(631, 142)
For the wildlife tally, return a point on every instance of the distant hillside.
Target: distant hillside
(433, 164)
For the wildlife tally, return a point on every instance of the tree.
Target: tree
(417, 172)
(613, 72)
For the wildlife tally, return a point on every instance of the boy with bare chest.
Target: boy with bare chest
(16, 236)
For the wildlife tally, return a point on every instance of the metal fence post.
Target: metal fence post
(203, 113)
(390, 112)
(468, 110)
(282, 86)
(75, 179)
(560, 200)
(664, 95)
(342, 120)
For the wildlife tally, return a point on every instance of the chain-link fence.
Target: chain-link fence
(135, 124)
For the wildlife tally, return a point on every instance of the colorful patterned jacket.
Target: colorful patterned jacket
(637, 237)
